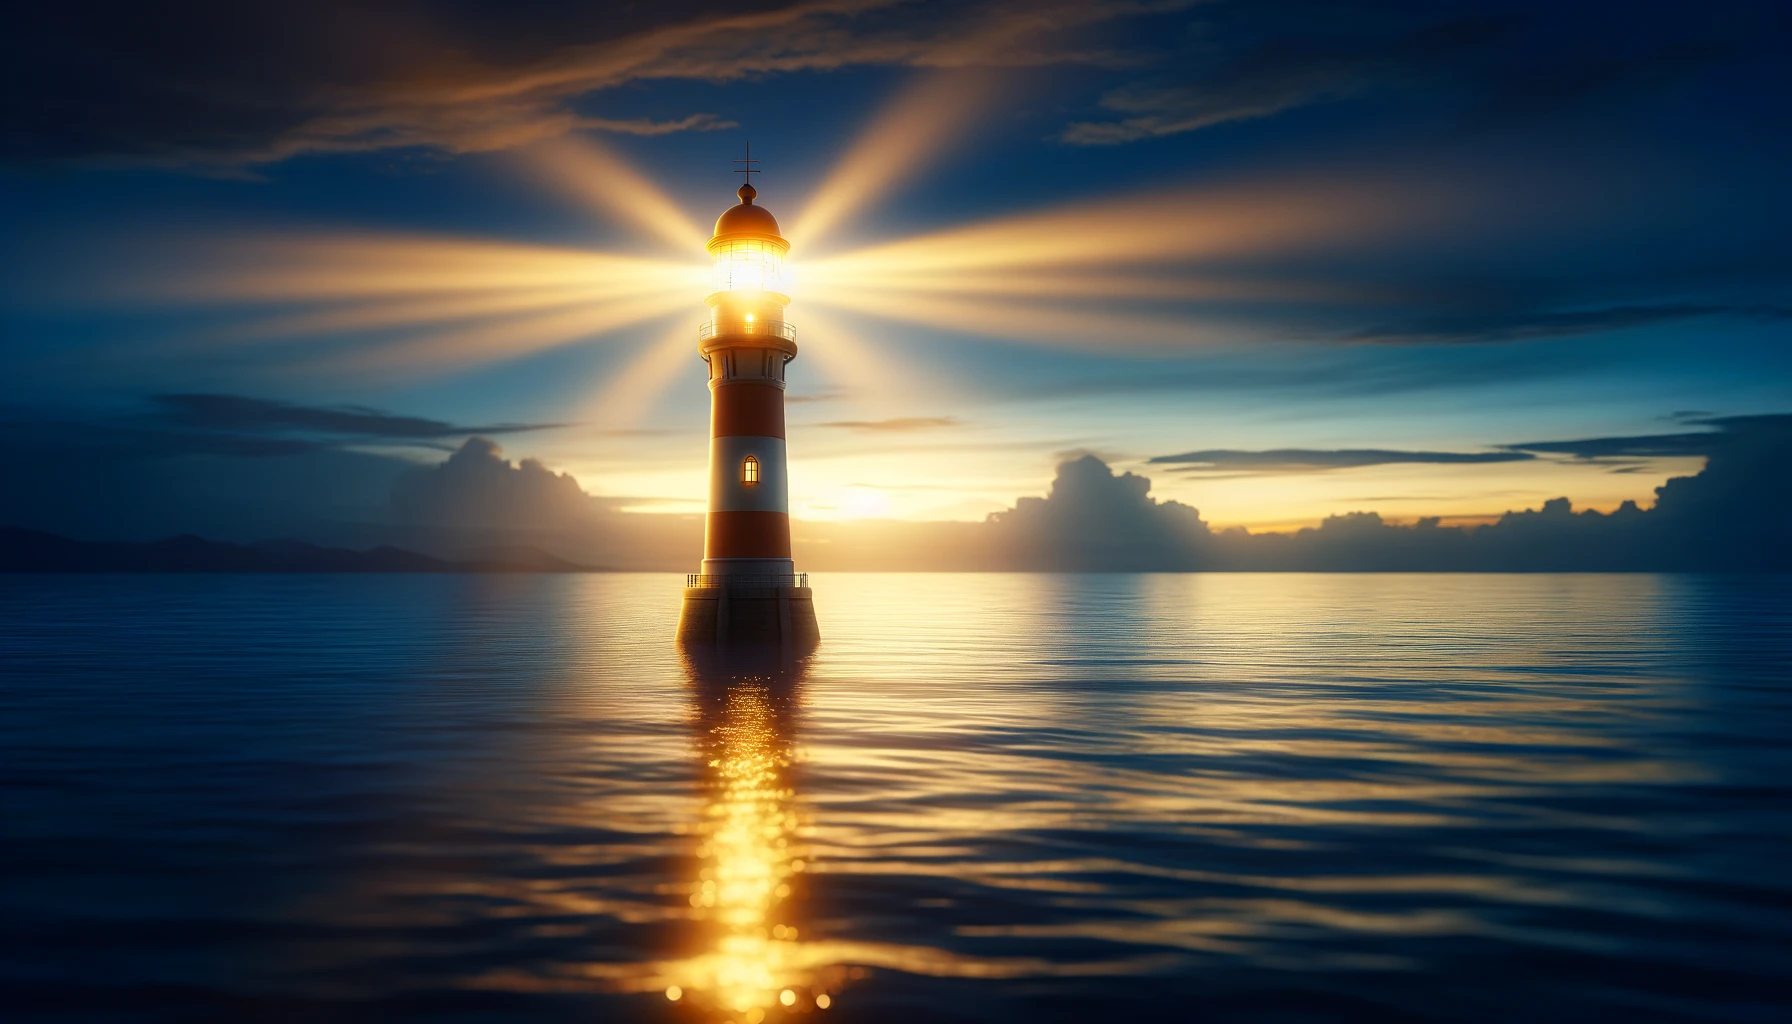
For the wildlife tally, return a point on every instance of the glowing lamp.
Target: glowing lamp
(747, 251)
(751, 287)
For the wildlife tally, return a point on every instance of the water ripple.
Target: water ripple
(984, 798)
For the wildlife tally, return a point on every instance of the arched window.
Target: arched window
(749, 470)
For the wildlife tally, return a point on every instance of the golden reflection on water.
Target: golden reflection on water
(1051, 780)
(755, 965)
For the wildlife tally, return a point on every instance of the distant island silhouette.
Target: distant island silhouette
(36, 551)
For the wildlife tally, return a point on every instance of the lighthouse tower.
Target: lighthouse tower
(749, 593)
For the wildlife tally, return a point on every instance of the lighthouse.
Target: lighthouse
(748, 593)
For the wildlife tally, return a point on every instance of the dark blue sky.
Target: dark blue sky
(1140, 230)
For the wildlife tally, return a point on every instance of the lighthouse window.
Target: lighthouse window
(749, 471)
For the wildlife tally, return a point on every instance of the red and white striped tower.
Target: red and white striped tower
(749, 590)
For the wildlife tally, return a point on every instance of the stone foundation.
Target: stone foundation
(739, 615)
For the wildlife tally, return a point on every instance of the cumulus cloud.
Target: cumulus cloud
(128, 480)
(1734, 515)
(226, 466)
(1094, 520)
(477, 487)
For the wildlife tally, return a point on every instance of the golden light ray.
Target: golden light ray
(1082, 283)
(601, 180)
(347, 267)
(625, 401)
(1073, 276)
(861, 367)
(917, 127)
(414, 303)
(377, 315)
(508, 339)
(1030, 322)
(1180, 225)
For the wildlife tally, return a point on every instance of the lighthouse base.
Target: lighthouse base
(723, 614)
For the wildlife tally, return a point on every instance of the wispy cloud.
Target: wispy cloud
(1621, 451)
(1279, 76)
(1523, 325)
(1314, 460)
(161, 89)
(237, 413)
(898, 425)
(1642, 446)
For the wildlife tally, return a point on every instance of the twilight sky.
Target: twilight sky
(1287, 259)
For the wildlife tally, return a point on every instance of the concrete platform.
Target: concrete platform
(729, 615)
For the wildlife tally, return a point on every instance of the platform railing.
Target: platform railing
(730, 326)
(698, 579)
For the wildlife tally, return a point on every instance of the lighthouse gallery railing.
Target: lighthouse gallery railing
(721, 327)
(696, 579)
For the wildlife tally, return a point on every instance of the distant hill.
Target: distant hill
(24, 550)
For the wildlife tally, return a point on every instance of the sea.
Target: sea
(1039, 798)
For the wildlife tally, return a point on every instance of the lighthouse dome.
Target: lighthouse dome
(747, 220)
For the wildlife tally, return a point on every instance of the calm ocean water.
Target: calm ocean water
(1039, 798)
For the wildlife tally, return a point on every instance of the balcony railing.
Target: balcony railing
(697, 579)
(729, 327)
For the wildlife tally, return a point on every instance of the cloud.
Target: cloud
(1530, 60)
(214, 412)
(898, 425)
(1732, 516)
(1644, 446)
(1525, 325)
(1308, 460)
(1730, 430)
(832, 395)
(1291, 370)
(226, 466)
(477, 487)
(127, 479)
(192, 85)
(1094, 520)
(138, 478)
(1292, 70)
(647, 126)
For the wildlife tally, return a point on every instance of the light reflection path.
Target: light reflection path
(754, 966)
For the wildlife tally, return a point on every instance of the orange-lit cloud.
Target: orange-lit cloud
(415, 84)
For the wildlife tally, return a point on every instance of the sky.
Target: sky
(1287, 260)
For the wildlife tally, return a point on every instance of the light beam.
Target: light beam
(917, 127)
